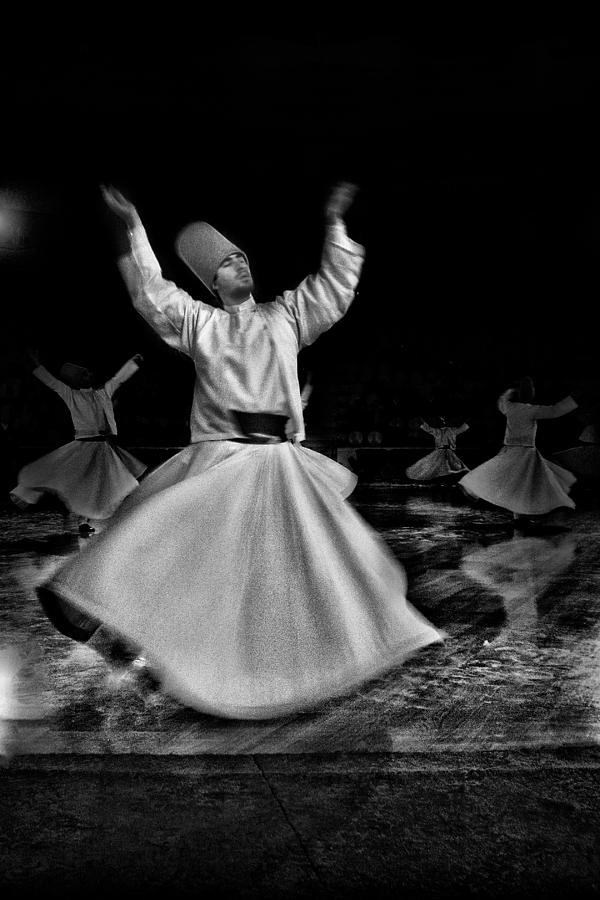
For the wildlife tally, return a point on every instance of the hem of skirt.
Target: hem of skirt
(268, 711)
(274, 711)
(135, 473)
(56, 610)
(521, 510)
(100, 515)
(23, 504)
(436, 477)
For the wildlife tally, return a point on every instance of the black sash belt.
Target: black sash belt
(260, 428)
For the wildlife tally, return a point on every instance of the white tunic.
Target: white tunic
(91, 409)
(445, 437)
(245, 356)
(521, 418)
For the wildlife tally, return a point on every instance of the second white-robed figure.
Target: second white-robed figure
(91, 474)
(519, 478)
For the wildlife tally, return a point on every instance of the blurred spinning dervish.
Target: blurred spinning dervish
(91, 474)
(251, 586)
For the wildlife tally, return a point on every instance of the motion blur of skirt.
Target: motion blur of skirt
(439, 463)
(91, 477)
(521, 480)
(253, 588)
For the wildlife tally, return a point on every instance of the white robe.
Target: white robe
(245, 356)
(91, 409)
(91, 478)
(519, 478)
(253, 588)
(442, 461)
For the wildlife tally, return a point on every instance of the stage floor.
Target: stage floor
(520, 666)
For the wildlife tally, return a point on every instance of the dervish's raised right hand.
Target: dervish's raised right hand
(340, 200)
(120, 205)
(33, 357)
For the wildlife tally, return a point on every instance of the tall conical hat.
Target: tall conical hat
(203, 249)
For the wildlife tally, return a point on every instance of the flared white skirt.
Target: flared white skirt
(253, 588)
(521, 480)
(439, 463)
(92, 478)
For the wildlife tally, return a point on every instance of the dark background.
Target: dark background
(479, 205)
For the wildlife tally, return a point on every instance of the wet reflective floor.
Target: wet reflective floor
(520, 666)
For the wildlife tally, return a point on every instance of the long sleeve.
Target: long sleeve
(171, 312)
(124, 373)
(322, 299)
(564, 406)
(427, 428)
(461, 428)
(63, 390)
(503, 399)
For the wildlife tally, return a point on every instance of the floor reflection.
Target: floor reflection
(520, 570)
(519, 667)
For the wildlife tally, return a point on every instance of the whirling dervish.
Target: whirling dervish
(519, 478)
(251, 586)
(91, 474)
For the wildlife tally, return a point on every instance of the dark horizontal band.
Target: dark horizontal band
(261, 424)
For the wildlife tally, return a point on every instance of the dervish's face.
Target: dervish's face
(233, 281)
(86, 378)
